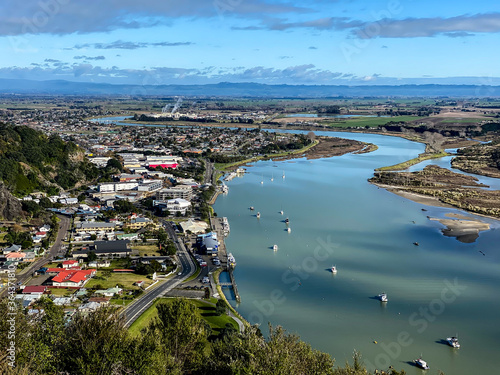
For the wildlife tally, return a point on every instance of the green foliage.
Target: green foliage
(220, 307)
(124, 206)
(29, 159)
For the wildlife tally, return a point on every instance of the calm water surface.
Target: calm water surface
(338, 218)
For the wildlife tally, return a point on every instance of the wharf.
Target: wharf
(216, 225)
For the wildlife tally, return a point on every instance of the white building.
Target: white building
(150, 185)
(107, 187)
(178, 205)
(180, 191)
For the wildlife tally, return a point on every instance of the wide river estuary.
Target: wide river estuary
(438, 289)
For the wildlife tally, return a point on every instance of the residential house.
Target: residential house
(70, 264)
(72, 278)
(112, 249)
(34, 289)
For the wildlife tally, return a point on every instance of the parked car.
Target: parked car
(205, 280)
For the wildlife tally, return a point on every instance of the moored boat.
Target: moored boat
(258, 215)
(275, 247)
(453, 341)
(333, 269)
(420, 363)
(383, 297)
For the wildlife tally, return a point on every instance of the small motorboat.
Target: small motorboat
(333, 269)
(287, 221)
(252, 208)
(453, 342)
(288, 229)
(275, 247)
(383, 297)
(258, 215)
(281, 212)
(416, 243)
(420, 363)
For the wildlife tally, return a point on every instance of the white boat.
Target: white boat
(283, 174)
(225, 189)
(421, 364)
(230, 260)
(287, 221)
(281, 212)
(383, 297)
(333, 269)
(272, 177)
(258, 215)
(453, 341)
(288, 229)
(252, 208)
(275, 247)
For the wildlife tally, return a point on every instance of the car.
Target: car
(205, 280)
(179, 274)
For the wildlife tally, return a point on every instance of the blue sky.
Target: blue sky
(266, 41)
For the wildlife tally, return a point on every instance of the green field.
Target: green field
(463, 120)
(369, 121)
(125, 279)
(146, 250)
(206, 310)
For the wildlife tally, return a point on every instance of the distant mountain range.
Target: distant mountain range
(19, 86)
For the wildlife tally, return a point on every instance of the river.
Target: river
(439, 289)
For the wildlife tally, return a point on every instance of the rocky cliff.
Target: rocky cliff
(10, 207)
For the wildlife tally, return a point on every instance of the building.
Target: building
(208, 243)
(72, 278)
(140, 222)
(95, 226)
(178, 205)
(12, 249)
(35, 289)
(109, 187)
(112, 249)
(180, 191)
(69, 264)
(150, 186)
(194, 226)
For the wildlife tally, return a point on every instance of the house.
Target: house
(12, 249)
(45, 228)
(140, 284)
(174, 206)
(15, 257)
(99, 263)
(110, 292)
(62, 301)
(29, 256)
(70, 264)
(34, 289)
(127, 236)
(103, 301)
(72, 278)
(90, 306)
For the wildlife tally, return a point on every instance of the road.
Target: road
(53, 252)
(136, 308)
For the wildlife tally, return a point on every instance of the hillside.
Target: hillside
(31, 161)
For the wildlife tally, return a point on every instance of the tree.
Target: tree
(91, 256)
(220, 307)
(114, 164)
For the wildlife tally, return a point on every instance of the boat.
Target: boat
(383, 297)
(252, 208)
(225, 189)
(272, 177)
(333, 269)
(283, 174)
(453, 341)
(288, 229)
(275, 247)
(287, 221)
(281, 212)
(230, 260)
(258, 215)
(420, 363)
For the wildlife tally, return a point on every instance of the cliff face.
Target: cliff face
(10, 207)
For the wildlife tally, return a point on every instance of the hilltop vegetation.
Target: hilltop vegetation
(176, 342)
(31, 161)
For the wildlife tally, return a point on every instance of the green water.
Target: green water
(338, 218)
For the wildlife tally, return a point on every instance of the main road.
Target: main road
(136, 308)
(54, 251)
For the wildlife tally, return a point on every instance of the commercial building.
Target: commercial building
(180, 191)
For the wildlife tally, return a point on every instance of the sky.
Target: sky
(321, 42)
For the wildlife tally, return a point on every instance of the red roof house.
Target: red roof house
(34, 289)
